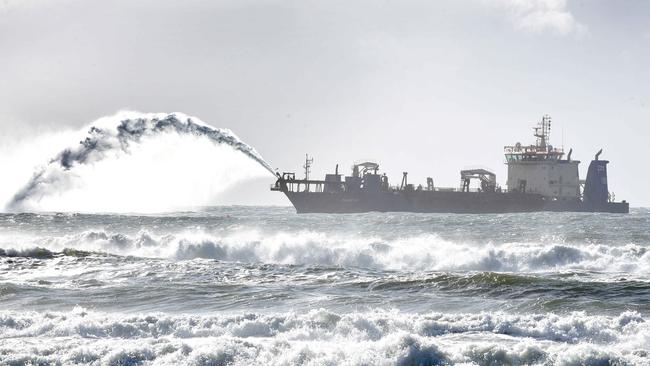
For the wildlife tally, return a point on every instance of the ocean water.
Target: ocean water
(265, 286)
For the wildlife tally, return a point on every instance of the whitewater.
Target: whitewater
(262, 285)
(114, 250)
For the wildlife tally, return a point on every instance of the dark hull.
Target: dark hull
(439, 202)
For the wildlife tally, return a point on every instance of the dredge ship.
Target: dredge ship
(540, 178)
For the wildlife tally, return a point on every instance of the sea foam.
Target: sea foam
(320, 337)
(427, 252)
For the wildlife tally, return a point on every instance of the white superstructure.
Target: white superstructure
(540, 168)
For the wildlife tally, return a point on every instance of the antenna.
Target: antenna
(307, 166)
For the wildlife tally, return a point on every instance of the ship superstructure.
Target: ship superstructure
(540, 178)
(540, 168)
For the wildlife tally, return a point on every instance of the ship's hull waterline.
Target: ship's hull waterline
(439, 202)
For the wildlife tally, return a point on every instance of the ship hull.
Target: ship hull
(439, 202)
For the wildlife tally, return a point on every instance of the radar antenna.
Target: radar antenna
(307, 166)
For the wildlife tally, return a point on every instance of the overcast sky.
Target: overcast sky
(423, 86)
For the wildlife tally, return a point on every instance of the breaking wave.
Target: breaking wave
(426, 252)
(134, 162)
(321, 337)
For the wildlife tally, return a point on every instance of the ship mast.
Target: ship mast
(307, 166)
(543, 132)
